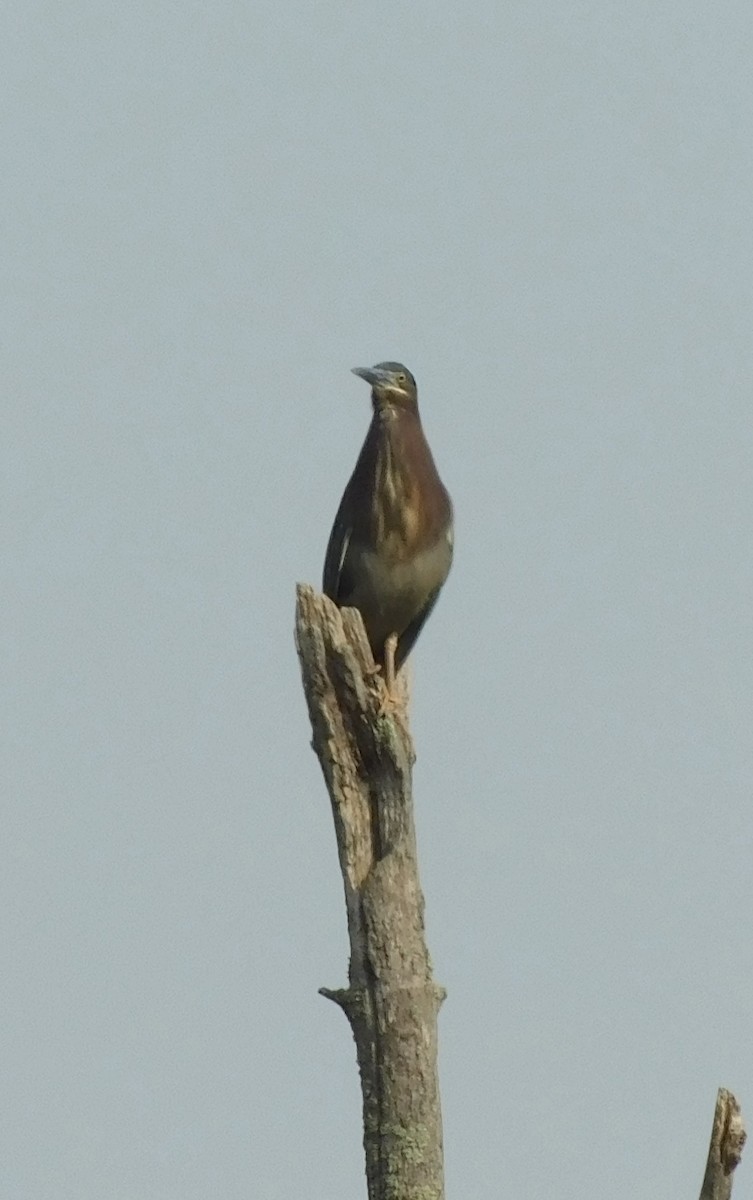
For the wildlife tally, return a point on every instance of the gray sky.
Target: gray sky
(210, 214)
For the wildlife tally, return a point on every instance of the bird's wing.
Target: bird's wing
(336, 583)
(409, 635)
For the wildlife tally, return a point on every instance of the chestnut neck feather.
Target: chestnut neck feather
(408, 505)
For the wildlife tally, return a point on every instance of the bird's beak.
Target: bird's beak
(373, 375)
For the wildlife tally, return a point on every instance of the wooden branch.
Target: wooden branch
(391, 1000)
(727, 1141)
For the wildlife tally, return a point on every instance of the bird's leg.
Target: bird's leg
(390, 646)
(391, 701)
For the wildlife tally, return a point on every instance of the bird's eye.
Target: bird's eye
(401, 378)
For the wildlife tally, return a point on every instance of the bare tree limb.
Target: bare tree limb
(727, 1141)
(391, 1000)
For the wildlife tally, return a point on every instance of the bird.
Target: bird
(390, 549)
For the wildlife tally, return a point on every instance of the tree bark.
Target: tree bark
(391, 1000)
(727, 1141)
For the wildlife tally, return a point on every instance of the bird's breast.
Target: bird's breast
(391, 590)
(406, 493)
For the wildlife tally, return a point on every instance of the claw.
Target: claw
(393, 701)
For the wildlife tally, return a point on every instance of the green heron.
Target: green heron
(390, 548)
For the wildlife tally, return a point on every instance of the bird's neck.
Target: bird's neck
(402, 463)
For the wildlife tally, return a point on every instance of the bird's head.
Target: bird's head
(392, 386)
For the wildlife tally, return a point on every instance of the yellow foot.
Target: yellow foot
(392, 703)
(394, 699)
(393, 692)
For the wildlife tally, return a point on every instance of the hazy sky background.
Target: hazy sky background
(210, 214)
